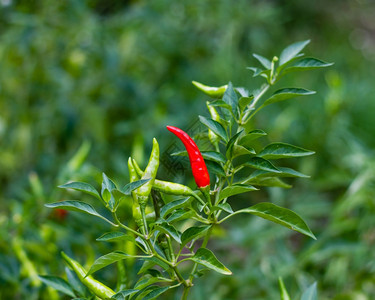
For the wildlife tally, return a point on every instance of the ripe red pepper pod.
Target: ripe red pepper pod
(198, 166)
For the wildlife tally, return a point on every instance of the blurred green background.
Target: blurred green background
(85, 84)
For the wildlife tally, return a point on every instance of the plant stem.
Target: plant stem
(171, 249)
(194, 195)
(252, 106)
(144, 220)
(185, 292)
(171, 265)
(124, 226)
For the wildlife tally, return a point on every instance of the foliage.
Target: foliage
(159, 233)
(113, 73)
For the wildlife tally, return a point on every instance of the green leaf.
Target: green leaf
(223, 206)
(147, 265)
(264, 61)
(244, 101)
(179, 215)
(311, 293)
(282, 150)
(257, 72)
(77, 206)
(292, 51)
(158, 262)
(239, 150)
(127, 189)
(226, 207)
(283, 292)
(235, 190)
(230, 97)
(231, 143)
(58, 284)
(220, 103)
(216, 127)
(287, 93)
(171, 206)
(288, 172)
(82, 187)
(285, 172)
(261, 164)
(214, 92)
(251, 136)
(279, 215)
(115, 236)
(143, 294)
(214, 156)
(206, 258)
(215, 168)
(147, 280)
(170, 230)
(108, 185)
(156, 293)
(309, 63)
(106, 260)
(268, 181)
(192, 233)
(123, 294)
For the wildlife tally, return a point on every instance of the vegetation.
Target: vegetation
(86, 84)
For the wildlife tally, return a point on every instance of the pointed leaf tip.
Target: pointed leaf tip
(292, 51)
(206, 258)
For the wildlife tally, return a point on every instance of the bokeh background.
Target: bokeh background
(85, 84)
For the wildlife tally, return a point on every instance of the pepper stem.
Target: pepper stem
(185, 292)
(206, 193)
(144, 220)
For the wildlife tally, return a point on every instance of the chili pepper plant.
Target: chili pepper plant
(171, 223)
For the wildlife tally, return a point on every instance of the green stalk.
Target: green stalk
(185, 292)
(144, 220)
(171, 265)
(247, 115)
(171, 249)
(125, 227)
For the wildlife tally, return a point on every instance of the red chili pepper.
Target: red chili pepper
(198, 166)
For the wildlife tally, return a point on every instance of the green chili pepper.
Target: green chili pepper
(214, 139)
(214, 92)
(150, 173)
(169, 188)
(166, 187)
(96, 287)
(135, 208)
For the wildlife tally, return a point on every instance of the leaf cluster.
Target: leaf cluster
(169, 232)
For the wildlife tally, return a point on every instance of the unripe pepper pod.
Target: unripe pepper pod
(96, 287)
(213, 92)
(198, 166)
(214, 139)
(150, 173)
(135, 208)
(167, 187)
